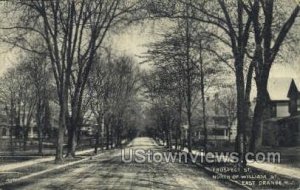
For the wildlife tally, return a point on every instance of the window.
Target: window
(273, 110)
(293, 106)
(221, 121)
(218, 132)
(4, 132)
(298, 104)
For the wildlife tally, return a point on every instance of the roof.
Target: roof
(278, 88)
(297, 83)
(214, 108)
(294, 87)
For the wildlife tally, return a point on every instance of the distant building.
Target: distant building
(282, 125)
(279, 102)
(294, 97)
(221, 126)
(4, 131)
(17, 132)
(5, 128)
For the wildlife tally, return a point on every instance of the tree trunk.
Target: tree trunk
(178, 131)
(176, 137)
(61, 132)
(241, 117)
(229, 134)
(72, 139)
(102, 132)
(256, 136)
(25, 138)
(261, 103)
(39, 125)
(75, 123)
(118, 133)
(203, 101)
(107, 135)
(11, 139)
(168, 139)
(40, 137)
(11, 130)
(98, 134)
(176, 142)
(189, 80)
(189, 131)
(111, 136)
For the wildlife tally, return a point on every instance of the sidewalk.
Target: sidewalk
(280, 169)
(7, 167)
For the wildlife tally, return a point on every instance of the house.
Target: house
(294, 97)
(282, 126)
(5, 128)
(294, 108)
(221, 125)
(279, 102)
(18, 130)
(221, 120)
(4, 131)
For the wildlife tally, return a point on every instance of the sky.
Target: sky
(133, 42)
(7, 59)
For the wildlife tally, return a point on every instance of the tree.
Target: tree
(270, 33)
(177, 69)
(227, 102)
(185, 77)
(232, 29)
(9, 99)
(113, 87)
(26, 102)
(37, 71)
(19, 88)
(72, 32)
(165, 105)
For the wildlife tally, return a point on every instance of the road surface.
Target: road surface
(110, 172)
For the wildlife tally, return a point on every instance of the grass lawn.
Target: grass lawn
(20, 172)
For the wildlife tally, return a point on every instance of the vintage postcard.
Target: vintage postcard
(149, 94)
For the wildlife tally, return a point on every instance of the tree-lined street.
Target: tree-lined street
(88, 78)
(109, 172)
